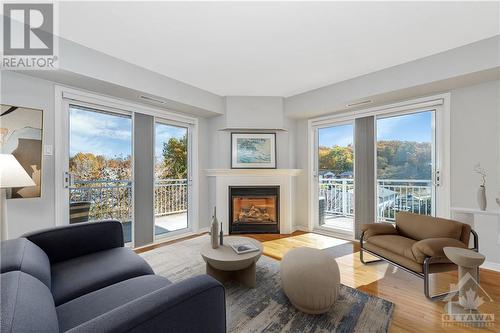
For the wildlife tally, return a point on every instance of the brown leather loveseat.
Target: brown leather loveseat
(415, 243)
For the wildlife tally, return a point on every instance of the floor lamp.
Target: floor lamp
(12, 174)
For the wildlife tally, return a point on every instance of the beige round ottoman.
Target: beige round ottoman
(310, 279)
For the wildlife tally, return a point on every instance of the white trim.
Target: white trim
(493, 266)
(113, 102)
(474, 211)
(252, 172)
(300, 228)
(419, 103)
(172, 237)
(335, 234)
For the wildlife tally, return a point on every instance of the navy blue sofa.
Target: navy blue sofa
(81, 278)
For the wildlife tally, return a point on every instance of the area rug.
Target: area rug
(265, 308)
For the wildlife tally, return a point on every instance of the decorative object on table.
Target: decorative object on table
(468, 263)
(241, 248)
(253, 150)
(21, 136)
(224, 265)
(266, 306)
(481, 192)
(310, 279)
(214, 230)
(221, 235)
(12, 175)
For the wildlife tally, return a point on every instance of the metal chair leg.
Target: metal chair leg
(426, 277)
(361, 258)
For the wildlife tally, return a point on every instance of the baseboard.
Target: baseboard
(203, 230)
(300, 228)
(334, 234)
(492, 266)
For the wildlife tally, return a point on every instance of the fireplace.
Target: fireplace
(254, 209)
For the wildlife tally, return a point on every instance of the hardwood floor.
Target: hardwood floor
(413, 312)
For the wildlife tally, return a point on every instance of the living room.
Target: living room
(250, 166)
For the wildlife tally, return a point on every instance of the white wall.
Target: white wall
(259, 112)
(475, 137)
(30, 214)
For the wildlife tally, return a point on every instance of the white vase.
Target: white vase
(481, 197)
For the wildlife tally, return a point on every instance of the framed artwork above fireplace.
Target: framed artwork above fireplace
(253, 150)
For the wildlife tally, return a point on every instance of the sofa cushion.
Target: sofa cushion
(421, 227)
(433, 247)
(89, 306)
(408, 263)
(397, 244)
(76, 277)
(22, 255)
(27, 305)
(381, 228)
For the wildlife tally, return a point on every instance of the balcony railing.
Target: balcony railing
(112, 199)
(337, 197)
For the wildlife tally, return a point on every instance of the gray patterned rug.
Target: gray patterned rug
(266, 308)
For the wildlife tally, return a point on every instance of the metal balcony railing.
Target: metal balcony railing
(112, 199)
(393, 195)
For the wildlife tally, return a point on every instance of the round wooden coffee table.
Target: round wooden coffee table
(224, 264)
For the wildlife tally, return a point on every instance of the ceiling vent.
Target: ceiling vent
(151, 99)
(350, 105)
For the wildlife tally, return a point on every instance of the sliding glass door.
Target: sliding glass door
(171, 191)
(100, 169)
(335, 177)
(406, 163)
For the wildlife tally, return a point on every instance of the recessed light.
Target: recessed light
(358, 103)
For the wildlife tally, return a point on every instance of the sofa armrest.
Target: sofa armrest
(75, 240)
(193, 305)
(383, 228)
(433, 247)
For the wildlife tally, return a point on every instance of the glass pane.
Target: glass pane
(171, 184)
(335, 177)
(100, 167)
(405, 160)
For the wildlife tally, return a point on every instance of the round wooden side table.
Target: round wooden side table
(224, 264)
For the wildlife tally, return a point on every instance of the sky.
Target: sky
(412, 127)
(110, 135)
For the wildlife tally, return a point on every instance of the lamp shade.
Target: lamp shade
(12, 174)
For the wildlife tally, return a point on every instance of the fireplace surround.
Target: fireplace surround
(254, 209)
(221, 179)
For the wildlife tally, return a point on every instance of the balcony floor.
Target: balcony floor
(163, 225)
(167, 223)
(344, 223)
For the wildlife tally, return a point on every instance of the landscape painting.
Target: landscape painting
(21, 136)
(253, 150)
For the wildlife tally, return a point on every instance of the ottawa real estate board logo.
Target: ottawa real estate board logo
(28, 36)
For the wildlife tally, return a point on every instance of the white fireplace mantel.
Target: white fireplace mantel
(224, 178)
(252, 172)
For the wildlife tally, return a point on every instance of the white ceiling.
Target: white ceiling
(274, 48)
